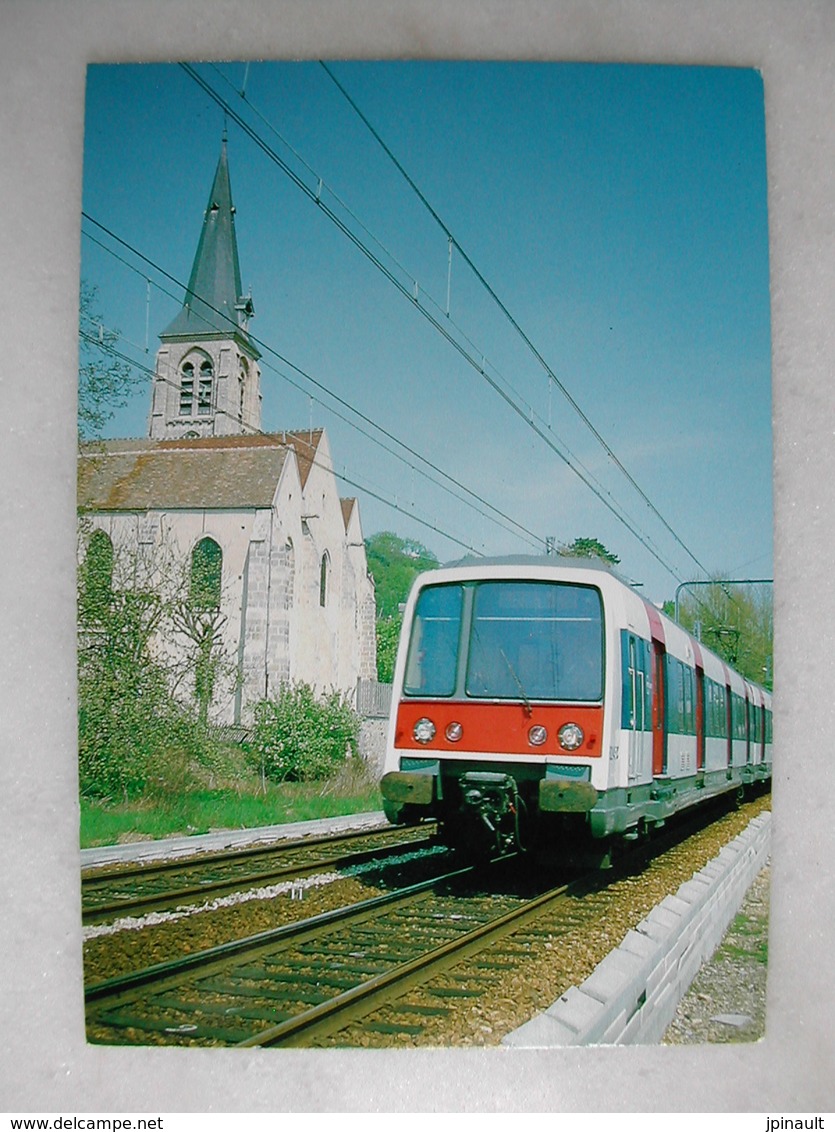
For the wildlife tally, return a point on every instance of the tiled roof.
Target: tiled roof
(213, 472)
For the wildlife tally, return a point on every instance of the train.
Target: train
(544, 703)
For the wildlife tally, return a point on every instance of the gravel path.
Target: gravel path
(726, 1000)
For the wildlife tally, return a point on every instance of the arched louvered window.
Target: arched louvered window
(204, 389)
(242, 374)
(206, 571)
(187, 389)
(324, 570)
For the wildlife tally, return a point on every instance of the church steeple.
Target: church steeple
(214, 302)
(207, 381)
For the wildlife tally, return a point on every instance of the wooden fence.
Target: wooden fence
(373, 699)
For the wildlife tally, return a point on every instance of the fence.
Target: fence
(373, 699)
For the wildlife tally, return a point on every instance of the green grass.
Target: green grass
(200, 810)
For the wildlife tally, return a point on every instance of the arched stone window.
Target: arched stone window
(324, 570)
(97, 574)
(206, 571)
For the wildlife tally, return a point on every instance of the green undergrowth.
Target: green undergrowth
(237, 806)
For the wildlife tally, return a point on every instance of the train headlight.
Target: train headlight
(424, 730)
(537, 735)
(571, 736)
(453, 732)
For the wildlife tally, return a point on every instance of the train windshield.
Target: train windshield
(522, 641)
(433, 649)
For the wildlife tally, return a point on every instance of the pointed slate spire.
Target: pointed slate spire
(214, 305)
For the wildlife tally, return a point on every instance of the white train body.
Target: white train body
(539, 698)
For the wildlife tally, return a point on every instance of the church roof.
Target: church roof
(218, 472)
(214, 305)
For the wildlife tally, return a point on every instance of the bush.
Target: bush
(388, 637)
(299, 738)
(132, 736)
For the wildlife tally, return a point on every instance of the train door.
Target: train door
(659, 713)
(729, 723)
(700, 717)
(700, 707)
(640, 739)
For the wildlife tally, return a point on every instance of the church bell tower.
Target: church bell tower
(207, 380)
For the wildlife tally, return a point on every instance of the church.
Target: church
(256, 516)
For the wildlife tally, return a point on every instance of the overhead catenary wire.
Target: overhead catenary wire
(520, 530)
(453, 241)
(420, 295)
(438, 322)
(374, 492)
(498, 516)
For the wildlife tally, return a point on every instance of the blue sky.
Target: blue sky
(618, 212)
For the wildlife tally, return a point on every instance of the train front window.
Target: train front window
(536, 641)
(433, 649)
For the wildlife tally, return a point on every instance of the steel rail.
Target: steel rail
(160, 900)
(174, 969)
(95, 875)
(369, 995)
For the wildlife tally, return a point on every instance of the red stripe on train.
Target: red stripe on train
(500, 729)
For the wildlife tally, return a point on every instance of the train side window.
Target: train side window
(717, 721)
(680, 700)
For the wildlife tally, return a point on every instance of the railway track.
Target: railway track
(436, 963)
(301, 982)
(113, 893)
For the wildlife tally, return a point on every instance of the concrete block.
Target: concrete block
(664, 920)
(543, 1031)
(694, 891)
(616, 973)
(611, 1036)
(631, 997)
(636, 943)
(636, 1025)
(618, 984)
(676, 905)
(578, 1012)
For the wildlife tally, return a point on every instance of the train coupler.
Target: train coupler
(491, 801)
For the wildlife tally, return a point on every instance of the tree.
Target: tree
(735, 621)
(105, 382)
(588, 548)
(143, 635)
(388, 636)
(196, 614)
(394, 563)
